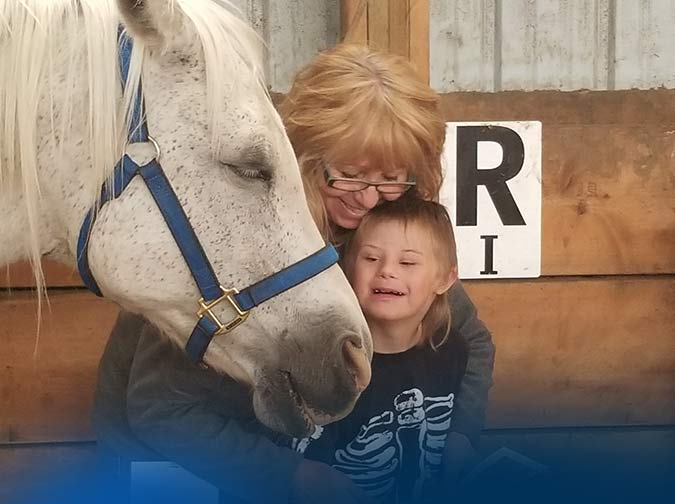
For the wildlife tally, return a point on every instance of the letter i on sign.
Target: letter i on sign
(492, 189)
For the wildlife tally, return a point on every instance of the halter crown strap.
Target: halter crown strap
(208, 324)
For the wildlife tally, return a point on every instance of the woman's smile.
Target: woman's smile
(356, 212)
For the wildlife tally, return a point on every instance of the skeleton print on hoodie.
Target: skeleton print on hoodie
(392, 443)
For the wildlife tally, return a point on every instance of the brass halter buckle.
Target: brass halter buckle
(207, 309)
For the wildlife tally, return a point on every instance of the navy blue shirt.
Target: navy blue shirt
(392, 443)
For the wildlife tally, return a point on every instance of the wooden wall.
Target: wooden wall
(592, 342)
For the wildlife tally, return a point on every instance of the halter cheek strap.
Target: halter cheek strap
(208, 325)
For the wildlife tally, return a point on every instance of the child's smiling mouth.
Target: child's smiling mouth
(390, 292)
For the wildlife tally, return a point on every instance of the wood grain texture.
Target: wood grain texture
(399, 27)
(48, 396)
(627, 108)
(56, 275)
(569, 352)
(419, 37)
(378, 25)
(354, 21)
(580, 352)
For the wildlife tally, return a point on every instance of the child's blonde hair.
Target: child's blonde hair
(411, 210)
(353, 103)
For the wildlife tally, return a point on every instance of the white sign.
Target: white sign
(492, 189)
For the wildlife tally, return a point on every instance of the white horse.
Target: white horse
(224, 150)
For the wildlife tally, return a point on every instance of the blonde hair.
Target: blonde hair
(352, 102)
(411, 210)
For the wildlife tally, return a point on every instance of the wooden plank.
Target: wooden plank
(399, 27)
(419, 37)
(56, 275)
(354, 21)
(626, 108)
(569, 352)
(48, 395)
(607, 202)
(378, 25)
(580, 351)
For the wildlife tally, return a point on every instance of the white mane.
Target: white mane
(48, 46)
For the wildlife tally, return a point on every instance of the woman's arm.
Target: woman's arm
(205, 422)
(109, 415)
(471, 401)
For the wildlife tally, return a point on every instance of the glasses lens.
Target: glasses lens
(393, 188)
(348, 185)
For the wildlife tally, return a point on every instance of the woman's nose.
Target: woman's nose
(368, 198)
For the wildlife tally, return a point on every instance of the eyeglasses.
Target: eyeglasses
(356, 185)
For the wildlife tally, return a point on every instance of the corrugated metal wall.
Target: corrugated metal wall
(495, 45)
(294, 30)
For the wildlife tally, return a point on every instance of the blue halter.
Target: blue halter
(208, 325)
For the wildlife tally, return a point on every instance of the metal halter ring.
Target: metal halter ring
(158, 152)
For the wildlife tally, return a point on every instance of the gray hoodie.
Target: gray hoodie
(152, 403)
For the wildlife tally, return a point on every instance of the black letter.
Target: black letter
(489, 254)
(469, 177)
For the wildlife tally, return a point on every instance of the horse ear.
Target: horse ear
(147, 19)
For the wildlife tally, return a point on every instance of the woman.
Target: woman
(365, 130)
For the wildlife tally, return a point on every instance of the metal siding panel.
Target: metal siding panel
(645, 44)
(296, 31)
(462, 52)
(555, 44)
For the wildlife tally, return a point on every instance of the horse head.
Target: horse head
(305, 353)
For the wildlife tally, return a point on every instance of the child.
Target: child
(401, 262)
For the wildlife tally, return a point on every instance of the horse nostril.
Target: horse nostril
(357, 361)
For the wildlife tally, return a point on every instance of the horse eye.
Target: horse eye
(249, 172)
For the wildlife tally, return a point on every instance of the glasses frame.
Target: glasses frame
(330, 182)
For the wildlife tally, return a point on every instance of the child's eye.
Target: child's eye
(370, 258)
(408, 263)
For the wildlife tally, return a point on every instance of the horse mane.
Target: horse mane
(30, 32)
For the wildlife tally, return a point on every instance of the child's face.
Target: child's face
(395, 273)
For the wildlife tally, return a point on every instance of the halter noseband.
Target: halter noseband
(208, 324)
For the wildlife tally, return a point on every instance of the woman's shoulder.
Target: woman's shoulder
(449, 357)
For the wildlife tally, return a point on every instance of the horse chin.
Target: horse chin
(281, 408)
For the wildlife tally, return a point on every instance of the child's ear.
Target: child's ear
(447, 281)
